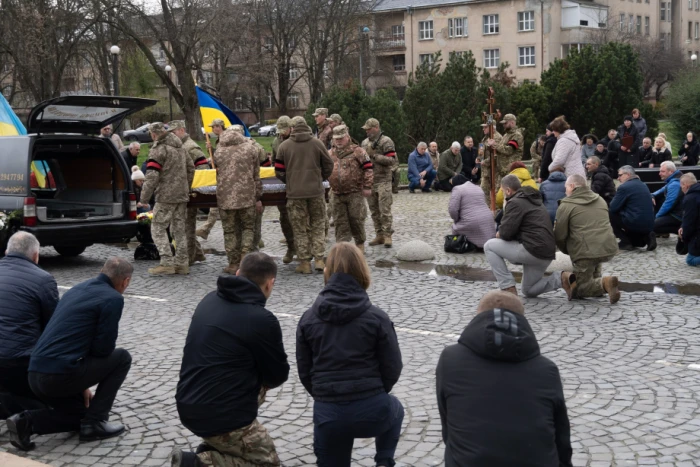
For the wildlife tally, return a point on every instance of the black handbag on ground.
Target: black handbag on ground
(458, 244)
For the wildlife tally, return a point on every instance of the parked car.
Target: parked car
(268, 130)
(140, 134)
(64, 183)
(255, 127)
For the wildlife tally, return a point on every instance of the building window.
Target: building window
(622, 22)
(457, 27)
(207, 52)
(690, 4)
(293, 72)
(663, 41)
(87, 85)
(663, 11)
(526, 21)
(293, 100)
(270, 100)
(161, 53)
(668, 12)
(492, 58)
(690, 30)
(397, 32)
(425, 30)
(456, 54)
(426, 58)
(697, 4)
(526, 56)
(631, 24)
(646, 25)
(639, 24)
(697, 30)
(238, 103)
(399, 62)
(491, 24)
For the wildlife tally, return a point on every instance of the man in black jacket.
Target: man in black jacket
(514, 412)
(28, 298)
(471, 165)
(525, 237)
(130, 154)
(628, 132)
(75, 352)
(612, 145)
(601, 181)
(233, 355)
(549, 144)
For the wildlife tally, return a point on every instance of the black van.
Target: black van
(63, 182)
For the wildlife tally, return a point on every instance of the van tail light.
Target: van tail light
(132, 206)
(29, 215)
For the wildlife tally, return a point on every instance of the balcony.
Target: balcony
(389, 43)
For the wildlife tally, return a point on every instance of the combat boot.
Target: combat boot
(288, 256)
(319, 264)
(198, 257)
(231, 269)
(304, 267)
(162, 271)
(378, 240)
(361, 246)
(387, 241)
(568, 283)
(610, 284)
(201, 233)
(184, 269)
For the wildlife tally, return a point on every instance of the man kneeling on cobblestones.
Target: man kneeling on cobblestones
(233, 355)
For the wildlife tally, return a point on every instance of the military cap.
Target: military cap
(237, 129)
(336, 118)
(157, 128)
(284, 123)
(341, 131)
(297, 120)
(321, 111)
(508, 118)
(371, 123)
(217, 122)
(175, 124)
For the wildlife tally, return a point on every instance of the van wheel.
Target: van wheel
(70, 251)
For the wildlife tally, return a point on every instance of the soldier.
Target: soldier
(169, 174)
(303, 163)
(383, 155)
(323, 127)
(335, 120)
(536, 155)
(217, 127)
(194, 249)
(509, 148)
(238, 194)
(351, 182)
(485, 155)
(284, 130)
(264, 162)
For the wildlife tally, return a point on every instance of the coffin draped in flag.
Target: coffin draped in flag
(210, 107)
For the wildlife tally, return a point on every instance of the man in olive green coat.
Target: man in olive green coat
(450, 164)
(583, 232)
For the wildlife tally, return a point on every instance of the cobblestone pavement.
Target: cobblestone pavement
(631, 371)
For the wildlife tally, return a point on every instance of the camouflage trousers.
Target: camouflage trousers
(170, 215)
(308, 218)
(239, 226)
(380, 205)
(589, 281)
(286, 227)
(258, 229)
(211, 220)
(350, 212)
(193, 247)
(536, 164)
(395, 179)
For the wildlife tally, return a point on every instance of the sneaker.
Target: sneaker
(651, 243)
(162, 271)
(19, 427)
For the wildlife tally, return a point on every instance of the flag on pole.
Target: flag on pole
(10, 125)
(210, 107)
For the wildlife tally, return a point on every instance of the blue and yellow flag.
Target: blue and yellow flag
(210, 107)
(10, 125)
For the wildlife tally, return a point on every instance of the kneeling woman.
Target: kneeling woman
(349, 359)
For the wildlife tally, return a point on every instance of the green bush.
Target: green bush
(683, 102)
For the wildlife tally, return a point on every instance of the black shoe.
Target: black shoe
(651, 244)
(182, 458)
(91, 430)
(20, 428)
(411, 190)
(625, 246)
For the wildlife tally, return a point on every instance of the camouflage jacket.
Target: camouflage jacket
(262, 154)
(169, 171)
(238, 182)
(325, 134)
(279, 139)
(352, 170)
(486, 158)
(510, 148)
(196, 153)
(382, 152)
(535, 152)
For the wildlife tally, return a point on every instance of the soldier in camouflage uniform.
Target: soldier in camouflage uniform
(217, 127)
(324, 131)
(536, 155)
(238, 194)
(351, 182)
(485, 155)
(284, 129)
(169, 174)
(194, 249)
(382, 152)
(509, 148)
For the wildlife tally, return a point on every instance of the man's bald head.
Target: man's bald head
(500, 299)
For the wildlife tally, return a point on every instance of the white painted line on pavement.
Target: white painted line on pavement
(126, 295)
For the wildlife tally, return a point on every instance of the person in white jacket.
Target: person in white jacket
(567, 152)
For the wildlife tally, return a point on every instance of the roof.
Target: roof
(389, 5)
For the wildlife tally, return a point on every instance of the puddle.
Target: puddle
(470, 274)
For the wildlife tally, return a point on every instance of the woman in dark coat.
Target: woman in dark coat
(690, 150)
(547, 154)
(657, 155)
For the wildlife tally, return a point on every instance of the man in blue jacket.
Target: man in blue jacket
(670, 214)
(75, 352)
(421, 172)
(689, 232)
(632, 212)
(28, 297)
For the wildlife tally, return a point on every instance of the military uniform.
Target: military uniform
(169, 174)
(352, 173)
(382, 153)
(509, 150)
(536, 156)
(284, 215)
(486, 166)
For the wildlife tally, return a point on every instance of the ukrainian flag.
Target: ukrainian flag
(9, 123)
(210, 107)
